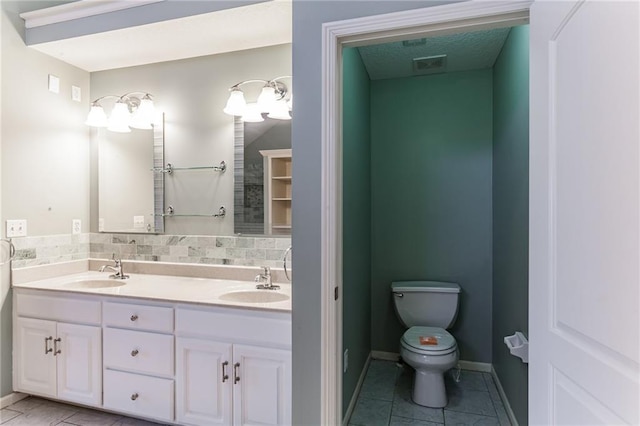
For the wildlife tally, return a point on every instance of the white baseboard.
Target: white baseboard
(475, 366)
(385, 356)
(12, 398)
(503, 396)
(356, 392)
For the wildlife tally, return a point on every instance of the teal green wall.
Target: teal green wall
(356, 290)
(431, 145)
(511, 213)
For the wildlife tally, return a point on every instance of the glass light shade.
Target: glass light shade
(119, 120)
(280, 111)
(267, 99)
(252, 114)
(144, 115)
(236, 104)
(96, 117)
(290, 103)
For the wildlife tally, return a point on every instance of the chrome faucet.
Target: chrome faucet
(265, 279)
(118, 273)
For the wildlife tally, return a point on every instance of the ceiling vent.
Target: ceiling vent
(430, 64)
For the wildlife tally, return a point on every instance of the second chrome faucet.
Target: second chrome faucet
(264, 278)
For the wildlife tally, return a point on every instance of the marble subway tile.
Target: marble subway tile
(244, 242)
(265, 243)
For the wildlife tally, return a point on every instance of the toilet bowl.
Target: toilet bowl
(430, 362)
(427, 308)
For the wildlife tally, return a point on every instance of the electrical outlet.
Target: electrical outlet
(16, 228)
(138, 221)
(345, 360)
(76, 226)
(101, 225)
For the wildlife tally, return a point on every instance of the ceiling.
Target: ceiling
(240, 28)
(465, 51)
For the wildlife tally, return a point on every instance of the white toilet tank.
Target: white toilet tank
(426, 303)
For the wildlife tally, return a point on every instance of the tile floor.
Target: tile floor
(34, 411)
(385, 400)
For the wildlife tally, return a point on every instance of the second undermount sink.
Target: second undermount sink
(255, 296)
(96, 284)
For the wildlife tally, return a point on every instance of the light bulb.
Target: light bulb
(252, 114)
(119, 120)
(96, 116)
(235, 104)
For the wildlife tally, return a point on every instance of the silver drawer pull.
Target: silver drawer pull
(134, 352)
(236, 377)
(134, 317)
(47, 349)
(56, 351)
(134, 396)
(225, 376)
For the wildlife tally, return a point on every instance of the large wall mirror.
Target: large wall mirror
(131, 181)
(262, 177)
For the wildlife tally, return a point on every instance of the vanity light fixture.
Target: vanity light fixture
(128, 112)
(272, 101)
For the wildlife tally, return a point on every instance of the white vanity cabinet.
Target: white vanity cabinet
(222, 380)
(55, 358)
(139, 359)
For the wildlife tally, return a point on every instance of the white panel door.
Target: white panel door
(584, 213)
(203, 382)
(262, 386)
(34, 363)
(79, 363)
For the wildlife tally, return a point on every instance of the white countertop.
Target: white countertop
(204, 291)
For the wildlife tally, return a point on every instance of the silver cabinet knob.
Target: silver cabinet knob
(134, 352)
(134, 317)
(134, 396)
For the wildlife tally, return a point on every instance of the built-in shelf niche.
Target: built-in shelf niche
(277, 191)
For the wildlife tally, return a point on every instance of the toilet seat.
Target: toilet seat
(446, 342)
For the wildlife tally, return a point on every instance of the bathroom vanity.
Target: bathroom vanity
(182, 350)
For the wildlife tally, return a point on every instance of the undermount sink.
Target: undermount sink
(255, 296)
(96, 283)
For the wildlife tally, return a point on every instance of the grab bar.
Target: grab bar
(12, 250)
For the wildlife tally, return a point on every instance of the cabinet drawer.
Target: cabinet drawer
(138, 317)
(138, 351)
(141, 395)
(66, 309)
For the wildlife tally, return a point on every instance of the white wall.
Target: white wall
(44, 167)
(192, 93)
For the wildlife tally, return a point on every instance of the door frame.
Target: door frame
(417, 23)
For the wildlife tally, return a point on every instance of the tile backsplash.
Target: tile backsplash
(228, 250)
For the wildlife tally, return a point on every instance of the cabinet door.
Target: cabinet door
(79, 363)
(34, 363)
(204, 378)
(262, 392)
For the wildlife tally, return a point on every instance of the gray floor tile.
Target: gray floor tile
(403, 406)
(130, 421)
(93, 418)
(27, 404)
(7, 414)
(454, 418)
(405, 378)
(472, 380)
(491, 386)
(42, 415)
(503, 418)
(378, 387)
(470, 401)
(371, 412)
(379, 367)
(403, 421)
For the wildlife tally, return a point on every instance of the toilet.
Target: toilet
(427, 309)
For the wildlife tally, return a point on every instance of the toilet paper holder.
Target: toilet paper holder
(518, 346)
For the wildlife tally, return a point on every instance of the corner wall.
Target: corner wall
(45, 151)
(511, 213)
(431, 199)
(356, 220)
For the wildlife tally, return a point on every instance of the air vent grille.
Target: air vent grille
(430, 64)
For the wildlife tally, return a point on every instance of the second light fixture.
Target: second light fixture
(274, 100)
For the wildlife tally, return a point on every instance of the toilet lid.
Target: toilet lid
(445, 340)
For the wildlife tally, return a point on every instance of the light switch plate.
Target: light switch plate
(76, 226)
(76, 94)
(16, 228)
(54, 84)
